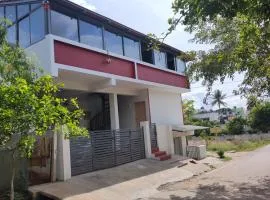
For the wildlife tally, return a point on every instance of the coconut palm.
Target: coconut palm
(218, 99)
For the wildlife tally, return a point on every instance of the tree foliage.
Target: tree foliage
(236, 126)
(259, 117)
(240, 33)
(188, 110)
(30, 105)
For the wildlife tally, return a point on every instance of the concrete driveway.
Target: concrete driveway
(246, 178)
(135, 180)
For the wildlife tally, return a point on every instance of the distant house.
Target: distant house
(223, 115)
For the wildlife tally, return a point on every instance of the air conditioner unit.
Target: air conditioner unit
(196, 152)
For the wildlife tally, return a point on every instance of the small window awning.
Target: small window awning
(186, 130)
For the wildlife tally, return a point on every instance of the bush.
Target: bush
(236, 126)
(204, 123)
(221, 154)
(259, 117)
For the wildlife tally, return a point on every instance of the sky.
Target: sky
(150, 16)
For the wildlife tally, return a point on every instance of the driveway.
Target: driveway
(245, 178)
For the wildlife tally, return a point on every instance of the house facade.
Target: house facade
(119, 81)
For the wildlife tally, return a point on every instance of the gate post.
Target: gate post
(63, 158)
(147, 138)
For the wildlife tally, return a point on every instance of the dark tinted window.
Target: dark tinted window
(34, 5)
(160, 59)
(2, 12)
(11, 34)
(132, 48)
(113, 42)
(91, 35)
(11, 13)
(37, 25)
(24, 33)
(64, 26)
(22, 10)
(181, 65)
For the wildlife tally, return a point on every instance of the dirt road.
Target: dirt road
(245, 178)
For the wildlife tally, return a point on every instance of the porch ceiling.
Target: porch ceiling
(95, 83)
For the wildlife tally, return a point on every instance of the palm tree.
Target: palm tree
(218, 99)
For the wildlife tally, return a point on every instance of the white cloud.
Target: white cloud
(85, 3)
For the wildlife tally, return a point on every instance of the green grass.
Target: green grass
(227, 158)
(236, 145)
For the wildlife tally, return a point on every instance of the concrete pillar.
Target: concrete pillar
(63, 158)
(184, 145)
(114, 113)
(147, 138)
(165, 138)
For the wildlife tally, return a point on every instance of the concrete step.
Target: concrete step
(165, 157)
(155, 149)
(160, 153)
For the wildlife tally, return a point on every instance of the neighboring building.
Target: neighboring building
(118, 80)
(223, 115)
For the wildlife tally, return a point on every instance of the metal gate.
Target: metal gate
(153, 135)
(106, 149)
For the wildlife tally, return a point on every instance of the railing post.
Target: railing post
(147, 138)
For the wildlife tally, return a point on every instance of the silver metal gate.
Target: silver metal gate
(106, 149)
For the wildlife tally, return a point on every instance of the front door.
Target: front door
(140, 112)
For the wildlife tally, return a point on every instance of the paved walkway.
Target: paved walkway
(246, 178)
(130, 181)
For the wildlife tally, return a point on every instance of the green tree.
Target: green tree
(218, 99)
(30, 105)
(238, 31)
(236, 126)
(188, 111)
(259, 117)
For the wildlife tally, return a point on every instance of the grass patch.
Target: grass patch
(227, 158)
(249, 145)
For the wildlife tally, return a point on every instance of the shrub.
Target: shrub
(236, 126)
(221, 154)
(259, 117)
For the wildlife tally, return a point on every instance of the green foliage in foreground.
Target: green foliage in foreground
(259, 117)
(236, 145)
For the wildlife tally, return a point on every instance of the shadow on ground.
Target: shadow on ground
(243, 191)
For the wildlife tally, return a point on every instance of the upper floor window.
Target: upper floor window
(132, 48)
(160, 59)
(113, 42)
(22, 10)
(11, 34)
(34, 5)
(37, 21)
(11, 13)
(24, 32)
(181, 65)
(2, 12)
(64, 26)
(91, 35)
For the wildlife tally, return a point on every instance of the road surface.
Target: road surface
(245, 178)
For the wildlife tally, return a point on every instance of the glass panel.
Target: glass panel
(64, 26)
(37, 25)
(24, 33)
(11, 13)
(132, 48)
(91, 35)
(160, 59)
(22, 10)
(2, 14)
(181, 65)
(113, 42)
(11, 34)
(34, 5)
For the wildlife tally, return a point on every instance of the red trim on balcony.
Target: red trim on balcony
(159, 76)
(68, 54)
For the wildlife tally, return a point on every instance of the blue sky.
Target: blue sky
(150, 16)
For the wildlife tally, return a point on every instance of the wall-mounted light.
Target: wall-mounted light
(108, 59)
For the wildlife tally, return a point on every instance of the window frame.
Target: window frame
(139, 47)
(177, 67)
(154, 56)
(117, 34)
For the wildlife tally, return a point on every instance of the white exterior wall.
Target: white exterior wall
(165, 108)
